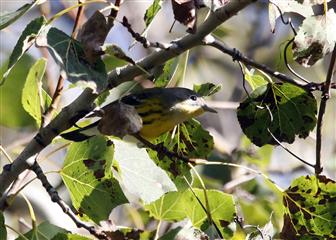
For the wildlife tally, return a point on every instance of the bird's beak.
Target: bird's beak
(206, 108)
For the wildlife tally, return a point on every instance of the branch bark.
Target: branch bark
(85, 102)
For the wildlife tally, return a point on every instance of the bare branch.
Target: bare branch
(66, 209)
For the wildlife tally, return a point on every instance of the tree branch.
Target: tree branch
(239, 57)
(323, 104)
(85, 102)
(66, 209)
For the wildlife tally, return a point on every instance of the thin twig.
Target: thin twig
(137, 36)
(323, 104)
(113, 14)
(66, 209)
(289, 151)
(239, 57)
(47, 116)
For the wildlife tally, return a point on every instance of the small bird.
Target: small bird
(149, 113)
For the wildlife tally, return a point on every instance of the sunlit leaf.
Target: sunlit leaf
(87, 173)
(168, 207)
(284, 110)
(25, 41)
(207, 89)
(315, 38)
(70, 55)
(151, 11)
(310, 208)
(44, 231)
(176, 206)
(167, 73)
(31, 99)
(138, 173)
(254, 80)
(12, 113)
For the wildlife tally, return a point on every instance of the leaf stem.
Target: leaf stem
(323, 104)
(289, 151)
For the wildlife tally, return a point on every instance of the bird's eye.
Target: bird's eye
(193, 97)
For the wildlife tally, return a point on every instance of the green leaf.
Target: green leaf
(172, 234)
(168, 207)
(207, 89)
(25, 41)
(151, 12)
(315, 38)
(255, 80)
(12, 113)
(87, 174)
(69, 236)
(70, 54)
(176, 206)
(31, 101)
(190, 140)
(310, 208)
(44, 231)
(3, 231)
(167, 73)
(138, 173)
(283, 109)
(222, 209)
(8, 18)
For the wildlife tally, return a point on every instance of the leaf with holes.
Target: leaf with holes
(70, 54)
(87, 174)
(34, 98)
(207, 89)
(315, 38)
(310, 208)
(151, 12)
(25, 41)
(283, 110)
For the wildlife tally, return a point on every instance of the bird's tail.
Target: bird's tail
(82, 134)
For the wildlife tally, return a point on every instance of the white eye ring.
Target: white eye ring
(193, 97)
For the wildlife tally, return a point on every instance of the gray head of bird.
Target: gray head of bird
(188, 102)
